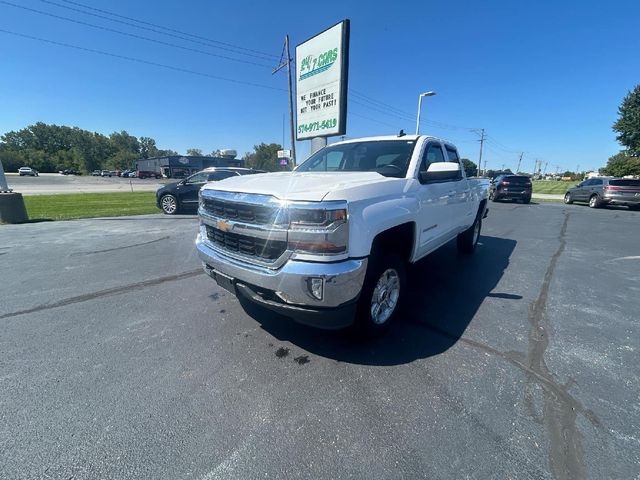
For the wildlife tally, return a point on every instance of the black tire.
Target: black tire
(635, 208)
(594, 201)
(567, 198)
(494, 198)
(468, 240)
(383, 268)
(169, 204)
(526, 200)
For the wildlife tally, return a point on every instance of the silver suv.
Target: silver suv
(601, 191)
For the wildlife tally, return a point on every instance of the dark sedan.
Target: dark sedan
(183, 195)
(511, 187)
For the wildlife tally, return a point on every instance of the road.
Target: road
(54, 183)
(119, 359)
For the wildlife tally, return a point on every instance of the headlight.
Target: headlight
(318, 229)
(314, 218)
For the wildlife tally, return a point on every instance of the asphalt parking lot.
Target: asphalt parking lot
(120, 359)
(54, 183)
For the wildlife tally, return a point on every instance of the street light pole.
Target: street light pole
(425, 94)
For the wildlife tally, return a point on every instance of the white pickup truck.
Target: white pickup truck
(327, 244)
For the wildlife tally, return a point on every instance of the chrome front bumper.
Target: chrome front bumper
(290, 282)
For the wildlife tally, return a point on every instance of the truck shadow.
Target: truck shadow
(445, 292)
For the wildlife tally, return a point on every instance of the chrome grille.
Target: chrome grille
(240, 212)
(265, 249)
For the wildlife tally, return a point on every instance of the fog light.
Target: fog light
(316, 287)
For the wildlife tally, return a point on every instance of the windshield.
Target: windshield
(386, 157)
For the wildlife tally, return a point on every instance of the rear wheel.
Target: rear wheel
(594, 201)
(381, 293)
(169, 204)
(468, 240)
(634, 207)
(567, 198)
(494, 198)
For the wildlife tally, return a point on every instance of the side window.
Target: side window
(217, 176)
(587, 183)
(197, 178)
(596, 181)
(433, 154)
(452, 155)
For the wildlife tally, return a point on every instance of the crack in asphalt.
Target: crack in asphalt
(105, 293)
(566, 455)
(560, 409)
(123, 247)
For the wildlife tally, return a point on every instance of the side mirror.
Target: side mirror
(441, 171)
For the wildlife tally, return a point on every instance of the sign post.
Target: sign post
(322, 66)
(12, 209)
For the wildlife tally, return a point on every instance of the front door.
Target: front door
(188, 190)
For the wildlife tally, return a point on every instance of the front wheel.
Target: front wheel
(379, 301)
(468, 240)
(169, 204)
(567, 198)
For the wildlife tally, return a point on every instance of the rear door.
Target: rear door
(462, 206)
(436, 198)
(596, 186)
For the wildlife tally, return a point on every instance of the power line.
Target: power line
(372, 119)
(133, 35)
(181, 35)
(140, 60)
(401, 113)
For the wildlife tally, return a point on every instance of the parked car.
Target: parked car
(511, 187)
(330, 242)
(148, 174)
(70, 171)
(183, 195)
(27, 171)
(125, 173)
(97, 173)
(106, 173)
(600, 191)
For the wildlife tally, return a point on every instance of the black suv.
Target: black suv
(175, 197)
(511, 187)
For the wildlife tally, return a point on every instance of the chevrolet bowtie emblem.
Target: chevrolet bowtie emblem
(224, 225)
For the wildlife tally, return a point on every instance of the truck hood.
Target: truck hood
(299, 186)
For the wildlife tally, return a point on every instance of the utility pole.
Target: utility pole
(287, 63)
(519, 162)
(545, 168)
(480, 158)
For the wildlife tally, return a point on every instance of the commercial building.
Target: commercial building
(180, 166)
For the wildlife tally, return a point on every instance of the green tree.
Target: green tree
(166, 153)
(264, 157)
(622, 164)
(194, 152)
(122, 141)
(628, 124)
(148, 147)
(470, 168)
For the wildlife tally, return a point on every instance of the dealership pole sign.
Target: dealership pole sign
(322, 66)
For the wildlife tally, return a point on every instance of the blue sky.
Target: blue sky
(541, 77)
